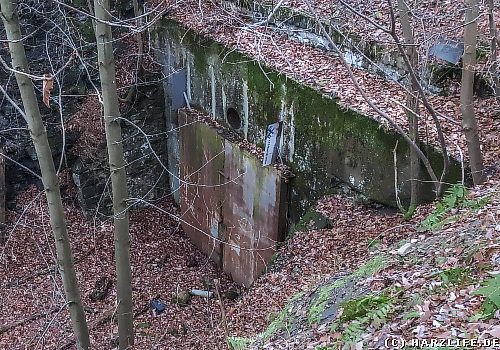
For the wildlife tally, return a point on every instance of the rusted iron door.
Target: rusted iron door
(201, 200)
(254, 214)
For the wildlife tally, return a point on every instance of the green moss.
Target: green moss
(283, 320)
(330, 139)
(318, 305)
(372, 266)
(312, 220)
(323, 295)
(239, 343)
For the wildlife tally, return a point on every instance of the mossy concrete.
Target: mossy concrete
(321, 139)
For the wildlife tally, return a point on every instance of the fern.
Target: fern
(360, 313)
(491, 291)
(454, 198)
(353, 332)
(379, 315)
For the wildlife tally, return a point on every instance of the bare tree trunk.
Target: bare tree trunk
(49, 176)
(412, 102)
(469, 122)
(391, 30)
(118, 175)
(494, 51)
(139, 71)
(3, 190)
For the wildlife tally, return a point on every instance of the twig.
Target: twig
(398, 201)
(44, 271)
(9, 326)
(222, 312)
(106, 316)
(380, 112)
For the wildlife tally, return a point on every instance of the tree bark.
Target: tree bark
(118, 175)
(3, 189)
(139, 71)
(49, 176)
(469, 122)
(494, 52)
(412, 102)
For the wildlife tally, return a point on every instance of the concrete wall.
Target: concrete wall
(321, 141)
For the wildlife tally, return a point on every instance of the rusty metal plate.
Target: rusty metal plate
(201, 200)
(253, 214)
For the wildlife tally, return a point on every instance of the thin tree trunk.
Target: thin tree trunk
(118, 175)
(139, 71)
(469, 122)
(391, 30)
(49, 176)
(412, 102)
(3, 189)
(494, 51)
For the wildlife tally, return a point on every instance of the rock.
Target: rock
(101, 289)
(405, 249)
(312, 220)
(231, 294)
(183, 298)
(146, 177)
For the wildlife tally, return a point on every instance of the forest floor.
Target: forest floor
(462, 242)
(405, 280)
(166, 263)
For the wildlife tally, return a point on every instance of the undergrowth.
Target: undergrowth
(359, 314)
(454, 198)
(318, 305)
(490, 290)
(239, 343)
(283, 320)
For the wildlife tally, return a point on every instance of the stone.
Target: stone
(146, 177)
(183, 298)
(231, 294)
(405, 249)
(101, 289)
(313, 220)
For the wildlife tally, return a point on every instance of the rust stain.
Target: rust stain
(246, 211)
(202, 161)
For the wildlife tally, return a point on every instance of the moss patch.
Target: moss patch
(239, 343)
(324, 293)
(282, 321)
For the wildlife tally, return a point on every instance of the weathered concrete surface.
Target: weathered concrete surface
(321, 141)
(232, 208)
